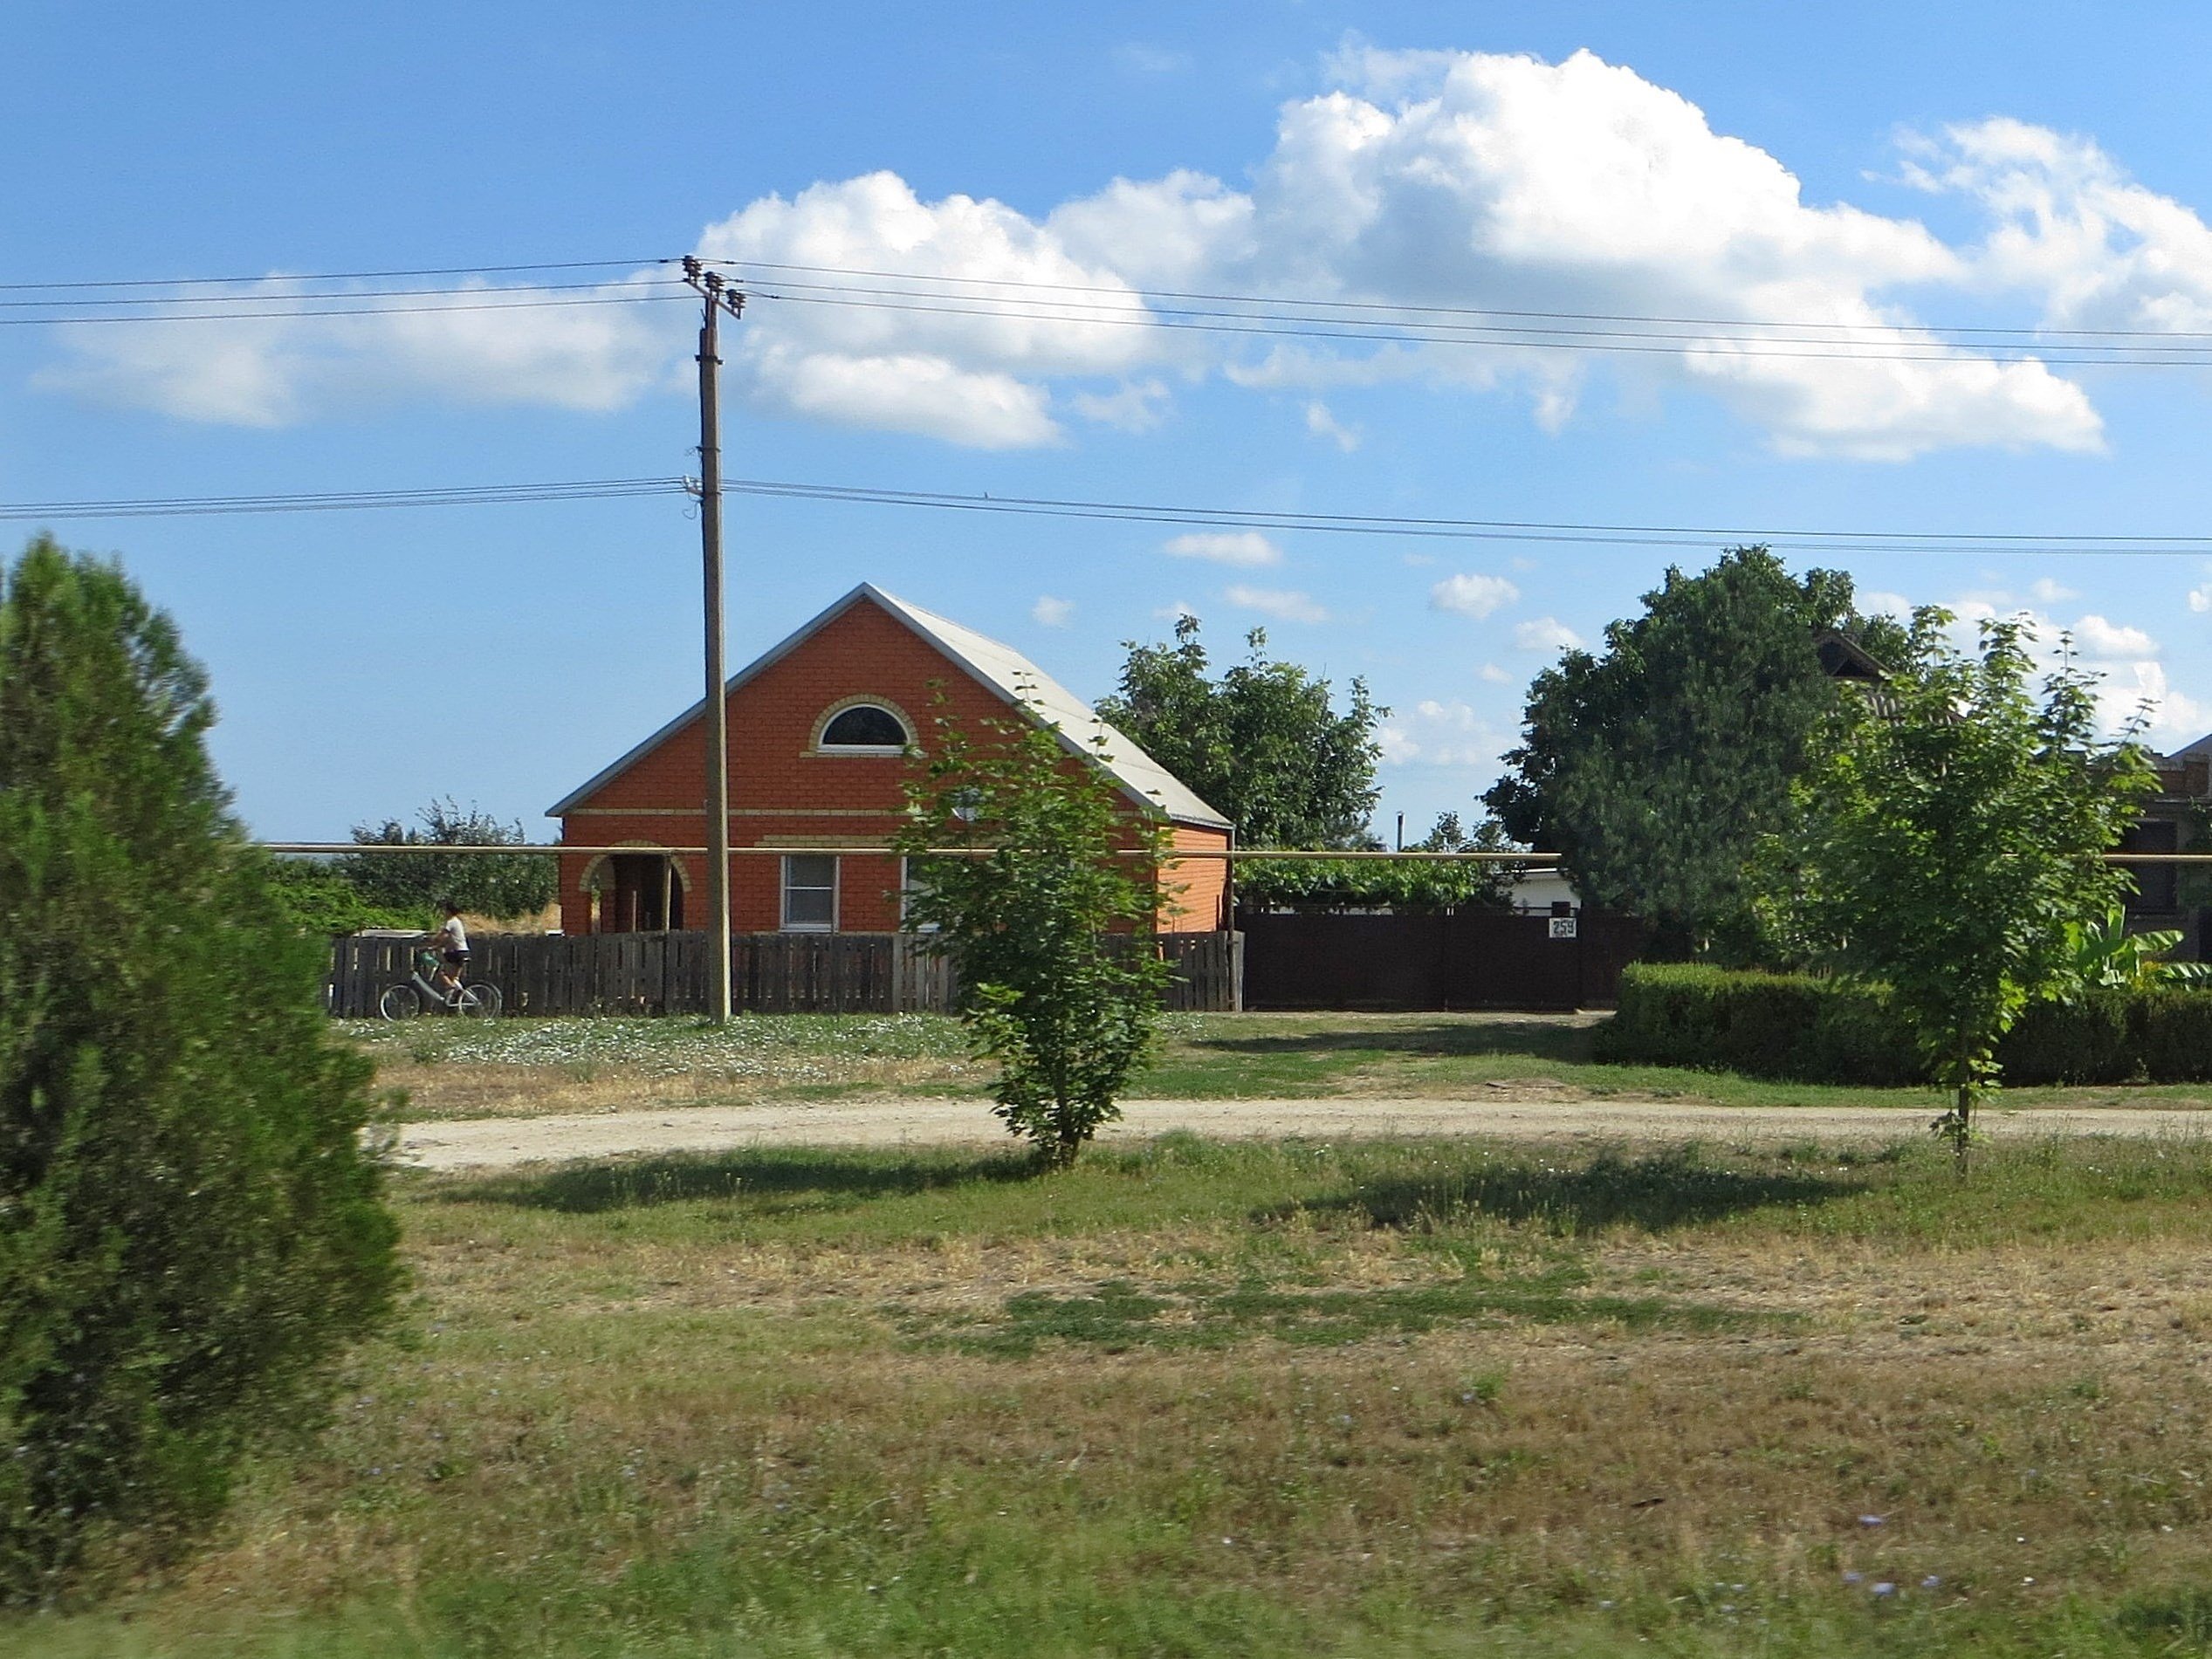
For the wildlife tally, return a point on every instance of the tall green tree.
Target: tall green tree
(1262, 742)
(1653, 765)
(1049, 924)
(1945, 843)
(190, 1230)
(493, 884)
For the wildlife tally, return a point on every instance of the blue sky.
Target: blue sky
(1889, 168)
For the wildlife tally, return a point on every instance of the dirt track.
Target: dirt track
(495, 1143)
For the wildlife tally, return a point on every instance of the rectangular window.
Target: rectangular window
(2158, 887)
(810, 892)
(909, 885)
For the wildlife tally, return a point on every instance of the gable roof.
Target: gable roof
(998, 668)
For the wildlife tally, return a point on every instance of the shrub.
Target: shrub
(1808, 1029)
(1049, 928)
(189, 1229)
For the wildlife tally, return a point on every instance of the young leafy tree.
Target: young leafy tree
(1048, 925)
(490, 884)
(1263, 743)
(190, 1230)
(1655, 766)
(1945, 844)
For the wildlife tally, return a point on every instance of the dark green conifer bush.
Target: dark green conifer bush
(190, 1230)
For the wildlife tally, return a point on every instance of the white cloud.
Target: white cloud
(1323, 424)
(1876, 603)
(1138, 407)
(1441, 734)
(1548, 635)
(1050, 612)
(2201, 598)
(2044, 591)
(272, 371)
(1244, 547)
(2132, 682)
(2095, 637)
(1476, 596)
(1494, 674)
(1175, 612)
(1414, 179)
(1284, 604)
(2068, 224)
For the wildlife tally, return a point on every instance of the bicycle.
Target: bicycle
(405, 1001)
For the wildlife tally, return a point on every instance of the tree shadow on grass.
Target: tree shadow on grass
(1656, 1194)
(778, 1180)
(1539, 1040)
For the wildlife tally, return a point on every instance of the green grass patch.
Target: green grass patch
(1423, 1398)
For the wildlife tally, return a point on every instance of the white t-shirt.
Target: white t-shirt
(456, 937)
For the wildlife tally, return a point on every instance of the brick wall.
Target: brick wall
(783, 793)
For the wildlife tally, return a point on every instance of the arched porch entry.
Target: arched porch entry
(639, 892)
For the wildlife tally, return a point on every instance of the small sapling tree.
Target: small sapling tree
(190, 1229)
(1946, 843)
(1047, 921)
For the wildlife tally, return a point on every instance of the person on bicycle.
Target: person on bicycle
(451, 943)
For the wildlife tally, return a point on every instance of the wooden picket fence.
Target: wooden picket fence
(770, 973)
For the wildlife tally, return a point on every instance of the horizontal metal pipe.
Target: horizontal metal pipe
(1173, 856)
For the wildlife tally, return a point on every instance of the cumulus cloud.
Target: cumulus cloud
(1323, 424)
(1050, 612)
(1284, 604)
(1441, 733)
(490, 347)
(1494, 674)
(1548, 635)
(1476, 596)
(2044, 591)
(2133, 683)
(2096, 637)
(1244, 547)
(2201, 598)
(1455, 178)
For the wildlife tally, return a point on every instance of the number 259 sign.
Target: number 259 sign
(1563, 926)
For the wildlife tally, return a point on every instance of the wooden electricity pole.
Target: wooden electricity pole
(718, 297)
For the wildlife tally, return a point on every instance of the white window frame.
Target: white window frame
(908, 886)
(784, 892)
(863, 749)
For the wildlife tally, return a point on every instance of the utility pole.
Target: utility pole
(718, 297)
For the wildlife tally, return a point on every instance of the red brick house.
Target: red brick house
(819, 729)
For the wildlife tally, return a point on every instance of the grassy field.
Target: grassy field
(1437, 1399)
(453, 1068)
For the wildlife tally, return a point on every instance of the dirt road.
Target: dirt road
(497, 1142)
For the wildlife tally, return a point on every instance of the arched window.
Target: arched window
(866, 727)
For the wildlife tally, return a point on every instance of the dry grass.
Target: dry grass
(1256, 1399)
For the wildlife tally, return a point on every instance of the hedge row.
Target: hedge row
(1814, 1031)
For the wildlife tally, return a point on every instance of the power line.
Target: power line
(1951, 543)
(265, 298)
(344, 500)
(1667, 345)
(360, 310)
(1130, 291)
(1372, 322)
(329, 276)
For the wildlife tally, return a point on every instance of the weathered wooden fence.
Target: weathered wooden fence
(770, 973)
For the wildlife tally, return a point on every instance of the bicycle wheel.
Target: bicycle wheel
(478, 1002)
(399, 1002)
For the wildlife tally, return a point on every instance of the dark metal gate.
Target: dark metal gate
(1466, 959)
